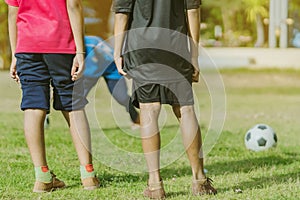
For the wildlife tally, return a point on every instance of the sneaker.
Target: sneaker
(48, 187)
(204, 186)
(155, 191)
(47, 122)
(90, 183)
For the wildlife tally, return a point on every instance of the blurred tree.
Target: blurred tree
(4, 40)
(99, 11)
(237, 19)
(256, 10)
(228, 11)
(294, 22)
(211, 17)
(294, 7)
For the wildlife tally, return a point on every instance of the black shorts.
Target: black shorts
(173, 93)
(36, 72)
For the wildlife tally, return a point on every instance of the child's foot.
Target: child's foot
(90, 183)
(89, 179)
(48, 187)
(203, 186)
(155, 191)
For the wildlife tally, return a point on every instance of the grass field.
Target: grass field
(270, 96)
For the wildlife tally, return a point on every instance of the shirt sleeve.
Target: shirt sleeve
(193, 4)
(122, 6)
(12, 3)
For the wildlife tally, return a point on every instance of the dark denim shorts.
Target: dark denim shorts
(37, 71)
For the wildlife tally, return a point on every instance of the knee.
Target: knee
(150, 108)
(187, 110)
(149, 113)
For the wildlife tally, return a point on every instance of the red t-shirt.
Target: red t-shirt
(43, 27)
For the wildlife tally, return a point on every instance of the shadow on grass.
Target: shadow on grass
(107, 179)
(176, 194)
(221, 168)
(263, 182)
(246, 165)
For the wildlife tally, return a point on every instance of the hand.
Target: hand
(119, 64)
(78, 67)
(196, 73)
(13, 70)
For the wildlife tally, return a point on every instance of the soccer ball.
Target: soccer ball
(260, 137)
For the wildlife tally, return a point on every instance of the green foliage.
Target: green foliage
(236, 17)
(294, 5)
(231, 16)
(241, 19)
(102, 11)
(4, 44)
(254, 8)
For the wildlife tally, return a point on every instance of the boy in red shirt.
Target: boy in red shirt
(47, 40)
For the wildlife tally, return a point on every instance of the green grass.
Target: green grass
(253, 96)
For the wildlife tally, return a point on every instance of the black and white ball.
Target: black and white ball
(260, 137)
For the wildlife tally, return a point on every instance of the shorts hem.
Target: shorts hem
(136, 102)
(36, 108)
(69, 109)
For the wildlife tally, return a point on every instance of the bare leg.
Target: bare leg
(192, 141)
(80, 132)
(34, 135)
(151, 138)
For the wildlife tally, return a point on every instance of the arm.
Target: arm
(12, 28)
(121, 22)
(194, 27)
(75, 12)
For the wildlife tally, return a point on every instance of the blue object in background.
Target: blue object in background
(296, 40)
(99, 59)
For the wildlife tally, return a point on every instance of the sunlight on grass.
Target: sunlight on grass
(253, 96)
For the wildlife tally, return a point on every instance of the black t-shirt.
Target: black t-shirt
(156, 47)
(127, 5)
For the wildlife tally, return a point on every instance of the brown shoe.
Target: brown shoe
(155, 191)
(204, 186)
(90, 183)
(48, 187)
